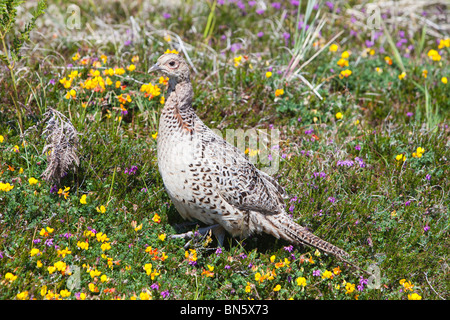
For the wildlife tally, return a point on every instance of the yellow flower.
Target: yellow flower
(349, 288)
(444, 43)
(32, 181)
(39, 264)
(94, 273)
(1, 139)
(327, 275)
(101, 237)
(379, 70)
(150, 90)
(16, 148)
(345, 55)
(317, 252)
(388, 60)
(102, 209)
(82, 296)
(155, 135)
(92, 287)
(119, 71)
(60, 266)
(171, 51)
(162, 237)
(301, 281)
(279, 92)
(333, 47)
(162, 100)
(402, 75)
(272, 258)
(414, 296)
(105, 246)
(248, 288)
(434, 55)
(156, 218)
(22, 296)
(34, 252)
(43, 290)
(83, 199)
(339, 115)
(76, 57)
(6, 187)
(65, 293)
(444, 80)
(342, 63)
(10, 277)
(268, 74)
(103, 58)
(51, 269)
(104, 278)
(131, 67)
(83, 245)
(237, 61)
(337, 270)
(145, 296)
(345, 73)
(400, 157)
(71, 94)
(139, 227)
(277, 288)
(148, 268)
(372, 52)
(424, 73)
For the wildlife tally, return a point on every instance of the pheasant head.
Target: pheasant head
(173, 66)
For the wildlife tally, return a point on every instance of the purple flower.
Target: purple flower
(235, 47)
(144, 190)
(155, 286)
(316, 273)
(409, 114)
(260, 11)
(289, 248)
(260, 34)
(309, 131)
(66, 235)
(52, 81)
(276, 5)
(369, 43)
(348, 163)
(167, 15)
(428, 177)
(54, 189)
(165, 294)
(295, 2)
(127, 43)
(332, 199)
(251, 3)
(358, 147)
(36, 241)
(227, 267)
(426, 228)
(49, 242)
(218, 251)
(407, 203)
(270, 157)
(361, 162)
(291, 208)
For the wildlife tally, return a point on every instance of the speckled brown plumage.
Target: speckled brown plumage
(212, 181)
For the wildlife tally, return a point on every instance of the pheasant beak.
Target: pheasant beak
(155, 67)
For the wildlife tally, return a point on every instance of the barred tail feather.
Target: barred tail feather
(292, 232)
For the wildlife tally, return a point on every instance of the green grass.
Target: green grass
(382, 211)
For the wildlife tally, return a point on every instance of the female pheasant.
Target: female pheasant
(212, 181)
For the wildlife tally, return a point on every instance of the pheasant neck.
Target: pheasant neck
(179, 99)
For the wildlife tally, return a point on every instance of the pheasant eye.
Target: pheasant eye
(172, 63)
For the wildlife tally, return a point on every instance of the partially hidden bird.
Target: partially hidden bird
(212, 181)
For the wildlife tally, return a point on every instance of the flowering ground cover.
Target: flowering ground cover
(360, 98)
